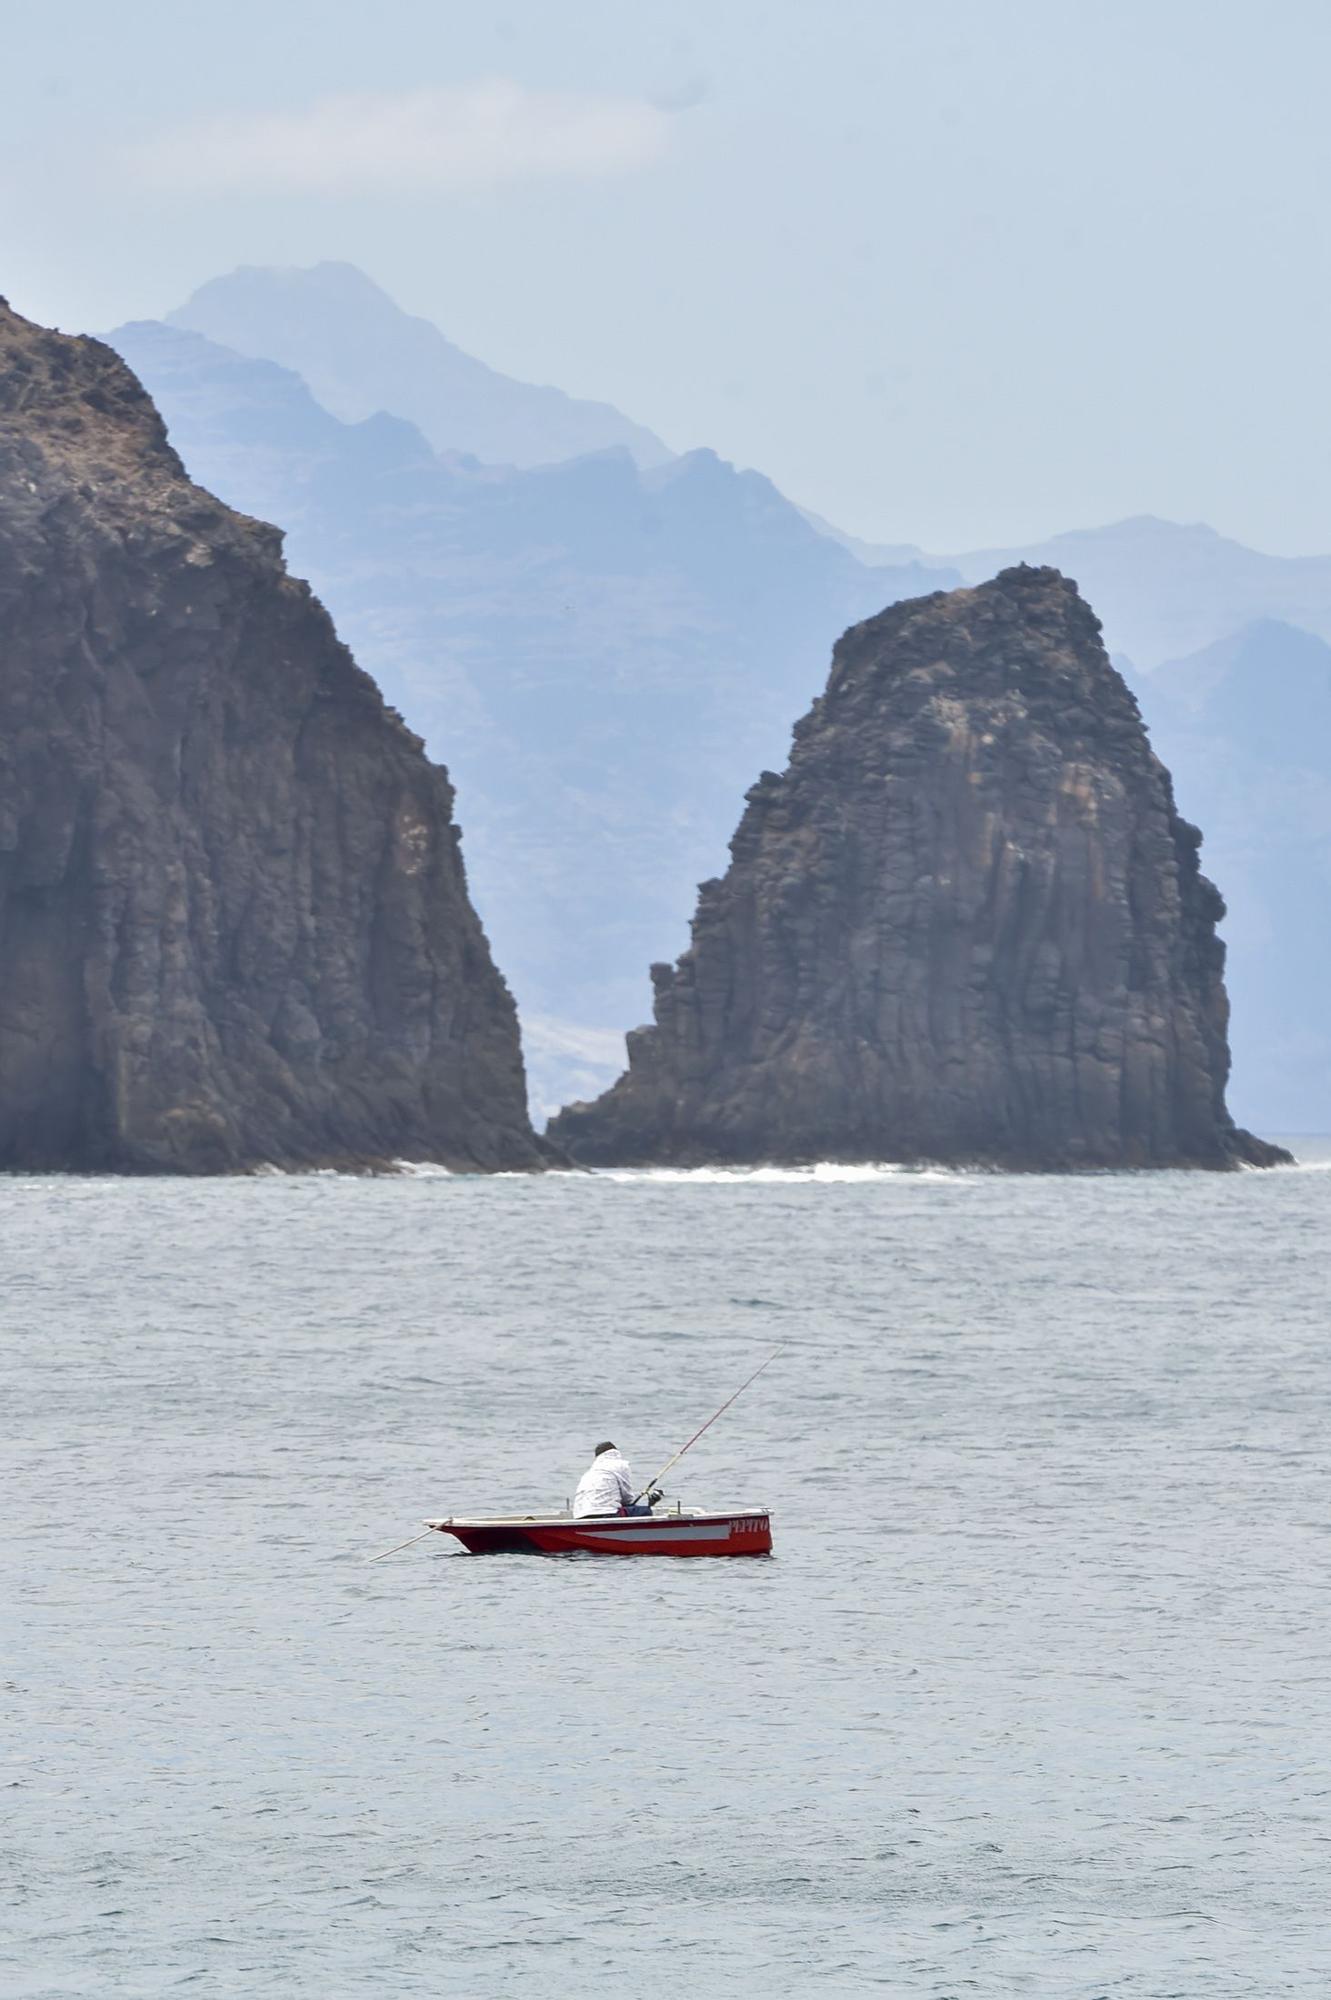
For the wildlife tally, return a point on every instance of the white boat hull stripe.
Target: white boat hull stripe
(677, 1532)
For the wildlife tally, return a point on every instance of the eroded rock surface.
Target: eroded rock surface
(234, 924)
(966, 924)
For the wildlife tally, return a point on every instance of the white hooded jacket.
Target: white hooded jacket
(606, 1487)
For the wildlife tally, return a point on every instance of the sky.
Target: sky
(962, 273)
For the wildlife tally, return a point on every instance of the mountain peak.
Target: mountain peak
(77, 397)
(361, 353)
(1136, 527)
(336, 274)
(332, 282)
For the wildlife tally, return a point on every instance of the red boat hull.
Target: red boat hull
(737, 1534)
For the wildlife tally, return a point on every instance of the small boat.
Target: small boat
(666, 1531)
(739, 1531)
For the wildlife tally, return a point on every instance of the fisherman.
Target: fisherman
(606, 1487)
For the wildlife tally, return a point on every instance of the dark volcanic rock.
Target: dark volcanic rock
(605, 655)
(966, 924)
(234, 924)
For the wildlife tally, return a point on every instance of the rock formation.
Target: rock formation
(966, 925)
(234, 924)
(599, 652)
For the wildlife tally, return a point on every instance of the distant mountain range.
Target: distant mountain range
(1161, 590)
(606, 649)
(604, 657)
(360, 353)
(1245, 726)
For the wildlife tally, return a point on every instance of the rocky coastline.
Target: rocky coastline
(966, 925)
(234, 922)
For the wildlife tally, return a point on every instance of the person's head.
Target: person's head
(604, 1447)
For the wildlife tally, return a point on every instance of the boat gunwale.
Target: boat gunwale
(697, 1518)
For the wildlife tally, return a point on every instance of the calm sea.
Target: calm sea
(1032, 1699)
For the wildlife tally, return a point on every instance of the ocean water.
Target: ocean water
(1033, 1697)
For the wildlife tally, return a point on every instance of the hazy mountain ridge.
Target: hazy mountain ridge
(1161, 589)
(511, 617)
(604, 655)
(360, 353)
(1245, 726)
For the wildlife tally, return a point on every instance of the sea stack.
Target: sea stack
(965, 925)
(234, 923)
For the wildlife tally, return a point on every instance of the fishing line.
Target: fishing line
(710, 1421)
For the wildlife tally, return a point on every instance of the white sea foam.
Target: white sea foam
(831, 1172)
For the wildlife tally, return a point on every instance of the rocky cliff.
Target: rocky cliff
(966, 924)
(599, 651)
(234, 924)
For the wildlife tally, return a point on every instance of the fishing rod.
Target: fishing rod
(664, 1469)
(710, 1421)
(400, 1545)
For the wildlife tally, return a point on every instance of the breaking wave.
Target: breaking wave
(828, 1171)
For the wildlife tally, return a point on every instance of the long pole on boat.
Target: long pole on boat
(400, 1545)
(710, 1421)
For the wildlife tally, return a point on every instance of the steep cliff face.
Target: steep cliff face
(966, 924)
(234, 924)
(600, 652)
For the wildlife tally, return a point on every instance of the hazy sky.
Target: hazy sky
(960, 272)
